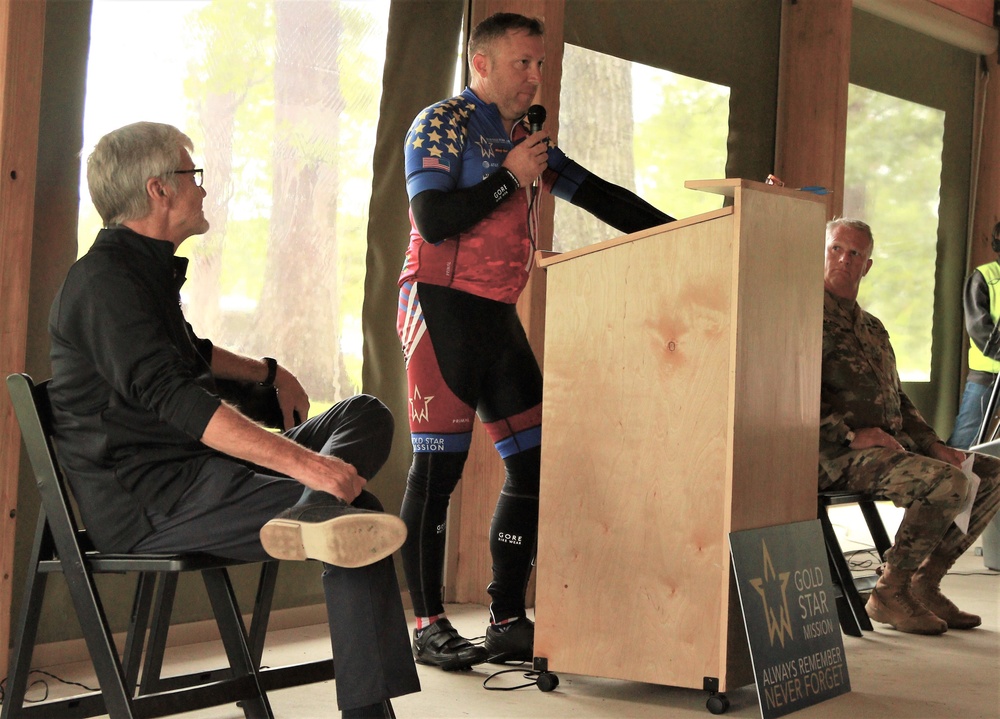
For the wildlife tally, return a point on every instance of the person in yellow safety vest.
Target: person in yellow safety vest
(982, 311)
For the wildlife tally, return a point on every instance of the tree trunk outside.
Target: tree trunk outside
(595, 130)
(298, 316)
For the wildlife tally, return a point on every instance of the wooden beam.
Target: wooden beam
(967, 24)
(22, 27)
(986, 204)
(814, 72)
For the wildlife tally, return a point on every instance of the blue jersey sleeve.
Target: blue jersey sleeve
(433, 149)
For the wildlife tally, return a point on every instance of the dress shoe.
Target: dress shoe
(333, 532)
(513, 642)
(441, 645)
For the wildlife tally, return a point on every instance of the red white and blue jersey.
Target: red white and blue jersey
(455, 144)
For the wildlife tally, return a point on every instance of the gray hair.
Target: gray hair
(122, 162)
(497, 26)
(854, 224)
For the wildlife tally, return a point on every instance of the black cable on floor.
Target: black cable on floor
(3, 686)
(528, 674)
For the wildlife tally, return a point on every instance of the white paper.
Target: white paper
(965, 514)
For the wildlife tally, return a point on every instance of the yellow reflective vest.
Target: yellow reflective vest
(977, 360)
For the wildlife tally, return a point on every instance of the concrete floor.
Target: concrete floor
(956, 675)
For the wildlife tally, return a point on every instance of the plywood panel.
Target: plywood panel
(642, 360)
(776, 394)
(681, 403)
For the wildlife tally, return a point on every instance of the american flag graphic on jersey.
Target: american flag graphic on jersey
(436, 132)
(409, 320)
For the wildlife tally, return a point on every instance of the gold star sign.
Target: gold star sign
(770, 585)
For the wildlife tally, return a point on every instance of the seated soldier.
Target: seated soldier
(873, 439)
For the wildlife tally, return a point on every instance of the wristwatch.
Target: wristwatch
(272, 371)
(849, 437)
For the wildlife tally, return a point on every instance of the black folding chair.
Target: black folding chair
(850, 605)
(61, 546)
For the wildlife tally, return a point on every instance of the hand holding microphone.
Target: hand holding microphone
(536, 116)
(528, 159)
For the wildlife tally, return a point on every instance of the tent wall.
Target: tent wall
(785, 61)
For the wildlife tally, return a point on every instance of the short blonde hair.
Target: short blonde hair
(853, 224)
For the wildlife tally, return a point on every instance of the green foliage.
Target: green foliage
(683, 138)
(892, 182)
(677, 130)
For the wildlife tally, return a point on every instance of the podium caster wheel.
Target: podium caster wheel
(547, 681)
(717, 703)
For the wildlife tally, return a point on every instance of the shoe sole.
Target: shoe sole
(351, 541)
(448, 666)
(505, 657)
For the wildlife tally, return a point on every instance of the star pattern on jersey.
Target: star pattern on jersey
(439, 132)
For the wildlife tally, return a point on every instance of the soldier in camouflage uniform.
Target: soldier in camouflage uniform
(873, 439)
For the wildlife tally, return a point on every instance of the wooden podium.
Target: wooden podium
(681, 402)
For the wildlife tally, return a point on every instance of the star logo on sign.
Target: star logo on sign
(771, 588)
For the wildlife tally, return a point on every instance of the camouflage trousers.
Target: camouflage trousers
(932, 493)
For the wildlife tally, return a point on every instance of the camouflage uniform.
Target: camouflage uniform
(861, 389)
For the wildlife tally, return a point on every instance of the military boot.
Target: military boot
(926, 588)
(892, 603)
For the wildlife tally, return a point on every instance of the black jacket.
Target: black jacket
(132, 389)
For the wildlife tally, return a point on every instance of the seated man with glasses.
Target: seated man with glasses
(159, 463)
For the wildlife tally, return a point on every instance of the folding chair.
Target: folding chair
(850, 605)
(62, 546)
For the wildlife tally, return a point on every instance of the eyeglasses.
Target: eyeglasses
(197, 173)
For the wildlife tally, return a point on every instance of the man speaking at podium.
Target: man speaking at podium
(473, 165)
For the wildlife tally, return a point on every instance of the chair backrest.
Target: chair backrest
(34, 416)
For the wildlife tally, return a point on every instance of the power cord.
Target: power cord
(527, 674)
(869, 559)
(42, 682)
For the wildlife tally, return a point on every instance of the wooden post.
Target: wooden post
(986, 209)
(22, 27)
(469, 562)
(814, 72)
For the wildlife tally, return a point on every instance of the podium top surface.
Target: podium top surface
(730, 185)
(545, 258)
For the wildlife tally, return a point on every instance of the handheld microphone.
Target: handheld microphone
(536, 116)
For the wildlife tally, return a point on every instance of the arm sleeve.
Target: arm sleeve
(914, 424)
(833, 427)
(439, 215)
(978, 321)
(610, 203)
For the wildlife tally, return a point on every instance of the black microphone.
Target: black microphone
(536, 116)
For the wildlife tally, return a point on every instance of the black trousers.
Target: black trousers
(223, 513)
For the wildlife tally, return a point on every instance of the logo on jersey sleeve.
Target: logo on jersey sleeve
(420, 406)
